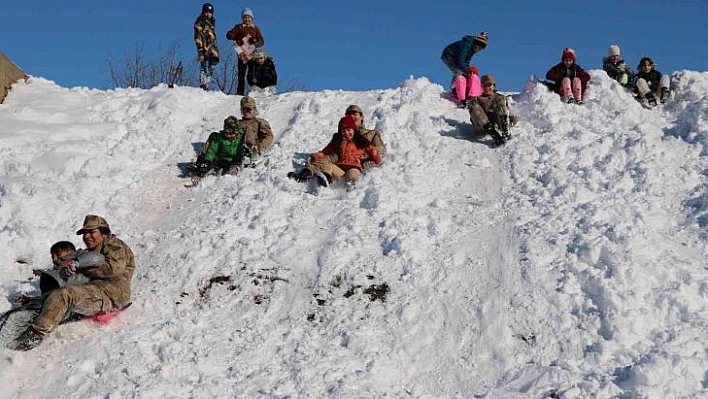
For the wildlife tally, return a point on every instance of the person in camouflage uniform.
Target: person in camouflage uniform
(373, 135)
(489, 113)
(108, 288)
(207, 47)
(224, 150)
(259, 135)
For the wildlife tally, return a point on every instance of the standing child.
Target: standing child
(207, 48)
(651, 83)
(456, 56)
(570, 79)
(245, 31)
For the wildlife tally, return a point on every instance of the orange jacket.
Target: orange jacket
(349, 153)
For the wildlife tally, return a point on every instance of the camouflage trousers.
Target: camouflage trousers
(488, 109)
(82, 299)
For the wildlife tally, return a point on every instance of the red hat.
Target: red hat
(346, 122)
(568, 53)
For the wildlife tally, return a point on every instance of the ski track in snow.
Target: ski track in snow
(570, 262)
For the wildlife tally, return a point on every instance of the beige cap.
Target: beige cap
(93, 222)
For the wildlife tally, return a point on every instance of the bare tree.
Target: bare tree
(138, 70)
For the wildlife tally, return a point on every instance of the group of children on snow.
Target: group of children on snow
(258, 70)
(489, 111)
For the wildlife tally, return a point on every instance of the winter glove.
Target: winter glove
(68, 267)
(203, 168)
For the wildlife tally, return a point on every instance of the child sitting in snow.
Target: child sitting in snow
(616, 68)
(651, 83)
(341, 158)
(67, 260)
(225, 150)
(570, 79)
(489, 113)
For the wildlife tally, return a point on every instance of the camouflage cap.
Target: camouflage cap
(488, 80)
(93, 222)
(231, 123)
(248, 102)
(354, 108)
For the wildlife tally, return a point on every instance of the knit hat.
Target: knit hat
(248, 102)
(481, 40)
(346, 122)
(487, 80)
(231, 123)
(246, 11)
(613, 50)
(568, 53)
(354, 108)
(207, 7)
(93, 222)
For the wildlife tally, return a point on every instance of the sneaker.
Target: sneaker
(651, 99)
(462, 104)
(567, 100)
(579, 102)
(29, 339)
(323, 179)
(665, 95)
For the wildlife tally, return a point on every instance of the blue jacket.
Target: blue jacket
(460, 52)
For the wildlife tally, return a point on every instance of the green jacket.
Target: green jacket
(223, 150)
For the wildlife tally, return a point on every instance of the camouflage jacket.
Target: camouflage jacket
(205, 37)
(114, 275)
(258, 132)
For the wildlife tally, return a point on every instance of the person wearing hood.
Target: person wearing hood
(246, 30)
(456, 56)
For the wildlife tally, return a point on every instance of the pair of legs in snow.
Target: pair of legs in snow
(466, 84)
(490, 115)
(326, 172)
(644, 92)
(571, 91)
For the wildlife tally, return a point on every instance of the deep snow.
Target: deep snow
(570, 262)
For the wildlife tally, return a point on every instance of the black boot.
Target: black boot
(301, 176)
(489, 128)
(504, 126)
(29, 339)
(323, 179)
(651, 99)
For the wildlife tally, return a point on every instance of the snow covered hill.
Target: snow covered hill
(570, 263)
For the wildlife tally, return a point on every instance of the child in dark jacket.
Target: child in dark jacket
(456, 56)
(651, 83)
(261, 71)
(570, 78)
(616, 68)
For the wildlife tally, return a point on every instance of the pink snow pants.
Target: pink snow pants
(467, 87)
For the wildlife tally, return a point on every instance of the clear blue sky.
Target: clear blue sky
(363, 45)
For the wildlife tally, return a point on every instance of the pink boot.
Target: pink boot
(474, 86)
(460, 89)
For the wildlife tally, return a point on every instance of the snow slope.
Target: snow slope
(570, 262)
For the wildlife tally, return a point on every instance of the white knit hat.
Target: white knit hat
(613, 50)
(246, 11)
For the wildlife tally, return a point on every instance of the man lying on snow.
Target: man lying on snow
(107, 290)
